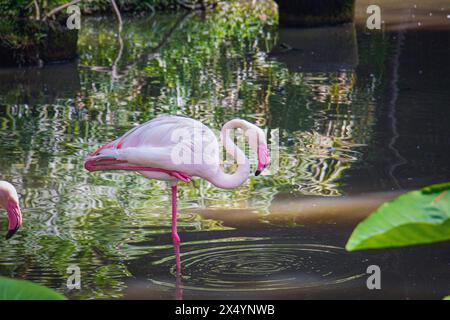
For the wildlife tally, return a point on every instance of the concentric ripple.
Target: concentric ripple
(262, 267)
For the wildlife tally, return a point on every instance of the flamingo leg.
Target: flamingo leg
(175, 237)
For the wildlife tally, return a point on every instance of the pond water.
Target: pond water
(359, 117)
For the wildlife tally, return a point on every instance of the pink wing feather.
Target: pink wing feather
(154, 140)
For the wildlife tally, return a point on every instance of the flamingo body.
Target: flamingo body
(151, 145)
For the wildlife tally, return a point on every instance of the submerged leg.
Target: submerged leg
(178, 284)
(175, 237)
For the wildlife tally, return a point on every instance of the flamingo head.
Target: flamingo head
(262, 151)
(9, 200)
(263, 158)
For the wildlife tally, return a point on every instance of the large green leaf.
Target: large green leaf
(415, 217)
(12, 289)
(447, 298)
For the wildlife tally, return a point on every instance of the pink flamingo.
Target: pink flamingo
(174, 148)
(9, 200)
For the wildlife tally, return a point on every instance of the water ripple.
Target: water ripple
(262, 267)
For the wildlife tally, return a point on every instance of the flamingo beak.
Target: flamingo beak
(10, 233)
(14, 217)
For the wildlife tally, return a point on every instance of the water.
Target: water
(357, 125)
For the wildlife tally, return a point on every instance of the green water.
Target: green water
(348, 116)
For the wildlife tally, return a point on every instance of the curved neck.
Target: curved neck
(229, 181)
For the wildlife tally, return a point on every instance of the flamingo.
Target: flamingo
(176, 148)
(9, 200)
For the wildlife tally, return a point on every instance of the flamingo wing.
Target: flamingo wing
(157, 143)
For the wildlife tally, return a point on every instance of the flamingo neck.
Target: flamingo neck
(225, 180)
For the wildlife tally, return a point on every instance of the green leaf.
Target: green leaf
(436, 187)
(12, 289)
(447, 298)
(416, 217)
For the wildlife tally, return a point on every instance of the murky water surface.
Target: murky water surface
(360, 117)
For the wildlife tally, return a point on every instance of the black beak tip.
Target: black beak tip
(10, 233)
(257, 173)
